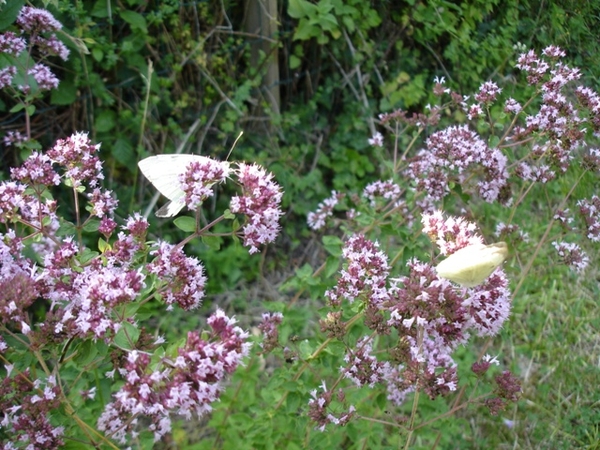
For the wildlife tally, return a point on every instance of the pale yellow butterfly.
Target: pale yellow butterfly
(470, 266)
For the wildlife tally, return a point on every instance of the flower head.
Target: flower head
(183, 276)
(198, 179)
(76, 154)
(260, 203)
(37, 20)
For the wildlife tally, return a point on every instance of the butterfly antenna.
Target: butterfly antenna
(233, 146)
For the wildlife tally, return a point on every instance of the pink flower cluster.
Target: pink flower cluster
(260, 203)
(431, 316)
(26, 406)
(84, 298)
(77, 155)
(198, 179)
(508, 390)
(81, 168)
(11, 44)
(6, 76)
(37, 169)
(268, 325)
(34, 22)
(18, 289)
(186, 385)
(362, 367)
(316, 220)
(455, 155)
(512, 233)
(438, 228)
(182, 276)
(12, 137)
(387, 190)
(87, 294)
(319, 407)
(572, 255)
(590, 210)
(365, 275)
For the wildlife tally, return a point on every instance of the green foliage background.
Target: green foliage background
(341, 63)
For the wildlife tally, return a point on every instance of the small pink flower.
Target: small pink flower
(51, 46)
(44, 77)
(183, 276)
(260, 203)
(512, 106)
(590, 210)
(12, 44)
(376, 140)
(6, 76)
(36, 20)
(77, 155)
(365, 273)
(488, 92)
(572, 255)
(37, 169)
(316, 220)
(103, 203)
(199, 178)
(268, 326)
(385, 189)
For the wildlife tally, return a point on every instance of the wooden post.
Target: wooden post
(261, 19)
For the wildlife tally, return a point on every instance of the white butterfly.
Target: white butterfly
(471, 265)
(163, 172)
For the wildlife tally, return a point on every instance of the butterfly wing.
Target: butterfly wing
(163, 172)
(172, 208)
(470, 266)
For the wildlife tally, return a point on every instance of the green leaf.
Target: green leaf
(131, 309)
(127, 336)
(87, 255)
(294, 402)
(103, 246)
(100, 9)
(493, 141)
(65, 94)
(92, 226)
(329, 22)
(304, 272)
(18, 107)
(299, 9)
(9, 12)
(105, 121)
(66, 229)
(333, 245)
(306, 349)
(123, 151)
(331, 266)
(86, 352)
(213, 242)
(136, 20)
(295, 62)
(186, 223)
(97, 54)
(305, 31)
